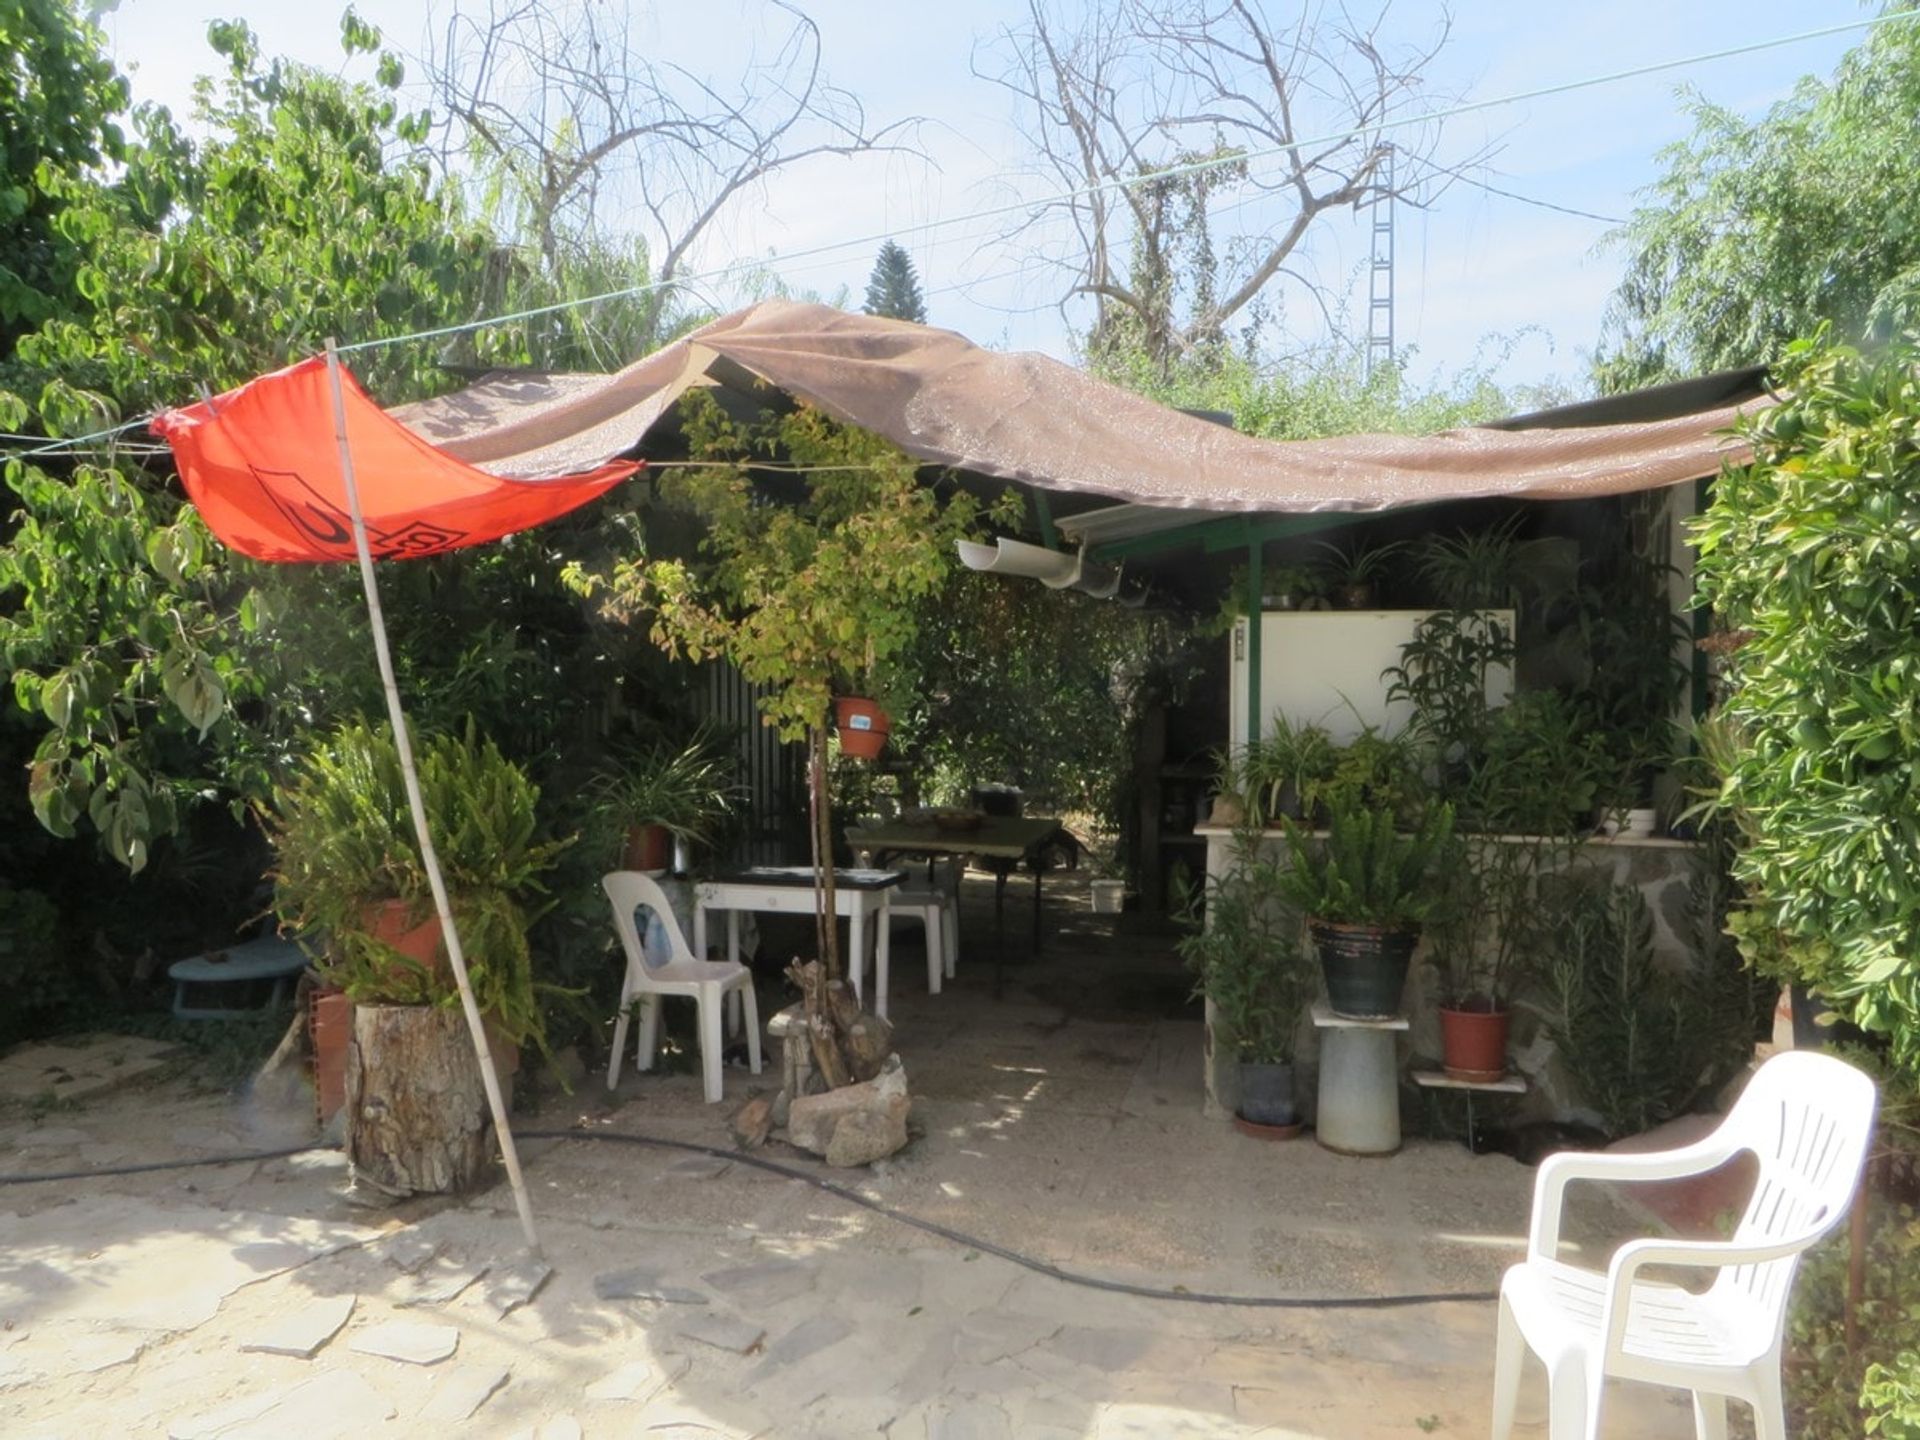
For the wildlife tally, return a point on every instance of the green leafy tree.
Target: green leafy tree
(1810, 558)
(60, 103)
(893, 290)
(160, 665)
(1762, 229)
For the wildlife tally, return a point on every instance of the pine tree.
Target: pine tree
(893, 289)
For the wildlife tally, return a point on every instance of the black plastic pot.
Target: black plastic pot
(1365, 966)
(1266, 1094)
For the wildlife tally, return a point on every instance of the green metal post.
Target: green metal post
(1255, 586)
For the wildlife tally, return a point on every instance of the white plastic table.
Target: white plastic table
(1359, 1110)
(860, 896)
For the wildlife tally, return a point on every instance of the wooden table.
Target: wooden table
(789, 890)
(998, 842)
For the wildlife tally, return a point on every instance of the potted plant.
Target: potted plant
(347, 867)
(1243, 945)
(1366, 889)
(1353, 571)
(861, 726)
(1480, 940)
(1294, 587)
(1284, 773)
(661, 793)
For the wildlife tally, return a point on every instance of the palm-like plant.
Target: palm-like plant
(1367, 871)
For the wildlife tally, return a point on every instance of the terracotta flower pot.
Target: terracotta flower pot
(1475, 1041)
(330, 1024)
(649, 847)
(862, 726)
(392, 922)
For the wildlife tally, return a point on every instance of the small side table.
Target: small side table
(1359, 1083)
(268, 958)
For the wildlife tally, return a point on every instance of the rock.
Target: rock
(406, 1250)
(303, 1332)
(722, 1332)
(463, 1391)
(866, 1136)
(802, 1342)
(332, 1405)
(440, 1280)
(414, 1344)
(753, 1122)
(643, 1284)
(638, 1379)
(762, 1283)
(813, 1121)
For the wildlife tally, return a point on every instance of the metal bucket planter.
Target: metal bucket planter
(1266, 1094)
(1365, 966)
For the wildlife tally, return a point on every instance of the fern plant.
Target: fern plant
(344, 842)
(1367, 871)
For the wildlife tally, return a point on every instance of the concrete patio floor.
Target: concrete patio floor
(1062, 1120)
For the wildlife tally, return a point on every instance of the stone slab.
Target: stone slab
(439, 1280)
(407, 1341)
(802, 1342)
(302, 1333)
(407, 1250)
(638, 1379)
(332, 1405)
(763, 1282)
(642, 1283)
(462, 1391)
(722, 1332)
(78, 1068)
(508, 1289)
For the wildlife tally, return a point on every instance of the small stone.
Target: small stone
(813, 1119)
(507, 1290)
(440, 1280)
(414, 1344)
(753, 1122)
(643, 1284)
(722, 1332)
(302, 1333)
(463, 1391)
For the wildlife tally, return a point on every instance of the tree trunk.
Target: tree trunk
(417, 1121)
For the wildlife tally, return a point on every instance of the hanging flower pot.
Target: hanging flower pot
(1474, 1041)
(862, 726)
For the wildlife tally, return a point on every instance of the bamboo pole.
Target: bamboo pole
(429, 857)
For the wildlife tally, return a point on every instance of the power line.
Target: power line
(1173, 172)
(1464, 178)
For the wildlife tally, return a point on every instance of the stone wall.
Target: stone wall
(1662, 869)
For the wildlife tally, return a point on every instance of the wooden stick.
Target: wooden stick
(429, 857)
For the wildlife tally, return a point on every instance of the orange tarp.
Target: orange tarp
(262, 465)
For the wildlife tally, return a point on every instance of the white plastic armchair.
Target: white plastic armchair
(1808, 1118)
(706, 982)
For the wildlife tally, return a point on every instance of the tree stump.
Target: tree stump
(417, 1118)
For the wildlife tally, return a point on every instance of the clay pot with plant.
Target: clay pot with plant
(1366, 889)
(1353, 572)
(652, 796)
(1243, 945)
(347, 868)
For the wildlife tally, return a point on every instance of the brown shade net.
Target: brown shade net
(1026, 418)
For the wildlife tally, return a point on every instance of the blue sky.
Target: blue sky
(1481, 278)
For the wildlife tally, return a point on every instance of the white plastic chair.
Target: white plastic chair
(707, 982)
(934, 902)
(1808, 1118)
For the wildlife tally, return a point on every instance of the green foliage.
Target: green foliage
(1367, 871)
(1808, 556)
(1539, 770)
(344, 841)
(59, 106)
(1442, 676)
(1243, 945)
(800, 597)
(1038, 688)
(893, 290)
(1833, 1388)
(1760, 231)
(1641, 1042)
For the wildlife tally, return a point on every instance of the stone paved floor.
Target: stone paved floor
(1070, 1131)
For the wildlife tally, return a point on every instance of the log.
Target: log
(417, 1117)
